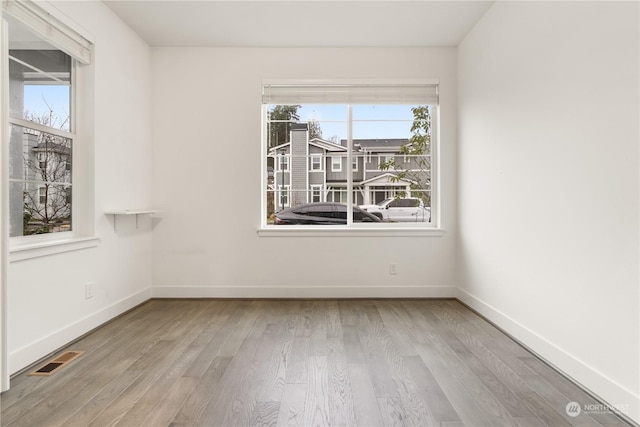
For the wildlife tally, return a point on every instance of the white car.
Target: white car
(408, 209)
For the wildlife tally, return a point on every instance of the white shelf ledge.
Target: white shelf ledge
(135, 212)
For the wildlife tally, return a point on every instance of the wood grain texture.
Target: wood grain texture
(298, 363)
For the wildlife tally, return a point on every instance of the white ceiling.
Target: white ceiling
(301, 23)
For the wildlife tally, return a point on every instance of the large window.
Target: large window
(386, 132)
(43, 56)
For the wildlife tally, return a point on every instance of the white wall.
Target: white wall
(548, 184)
(46, 299)
(206, 159)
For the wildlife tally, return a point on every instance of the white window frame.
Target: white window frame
(336, 164)
(342, 194)
(40, 195)
(61, 32)
(315, 159)
(72, 135)
(354, 164)
(42, 158)
(318, 189)
(384, 158)
(320, 94)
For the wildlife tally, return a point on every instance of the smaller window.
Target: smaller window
(354, 164)
(316, 193)
(42, 160)
(339, 195)
(384, 159)
(42, 195)
(336, 164)
(316, 162)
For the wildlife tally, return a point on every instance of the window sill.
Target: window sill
(41, 249)
(328, 231)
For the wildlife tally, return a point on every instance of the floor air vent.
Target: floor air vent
(56, 364)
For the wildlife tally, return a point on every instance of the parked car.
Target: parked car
(321, 214)
(407, 209)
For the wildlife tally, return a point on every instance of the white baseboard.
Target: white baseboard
(584, 375)
(304, 292)
(26, 355)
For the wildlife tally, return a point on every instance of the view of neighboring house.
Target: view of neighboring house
(45, 171)
(40, 146)
(316, 170)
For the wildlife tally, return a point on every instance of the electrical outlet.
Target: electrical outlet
(393, 268)
(88, 290)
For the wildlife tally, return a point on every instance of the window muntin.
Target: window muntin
(40, 181)
(393, 171)
(41, 134)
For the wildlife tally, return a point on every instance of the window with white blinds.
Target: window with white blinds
(44, 52)
(51, 26)
(399, 92)
(319, 128)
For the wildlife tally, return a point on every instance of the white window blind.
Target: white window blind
(398, 92)
(40, 18)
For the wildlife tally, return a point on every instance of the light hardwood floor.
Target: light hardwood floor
(294, 362)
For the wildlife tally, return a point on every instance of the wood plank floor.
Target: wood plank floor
(300, 363)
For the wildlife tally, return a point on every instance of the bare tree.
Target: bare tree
(314, 129)
(47, 165)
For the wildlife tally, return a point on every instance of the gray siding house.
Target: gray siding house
(316, 170)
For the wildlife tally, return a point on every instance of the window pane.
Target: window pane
(383, 112)
(326, 122)
(43, 208)
(390, 161)
(396, 182)
(382, 121)
(39, 156)
(40, 87)
(323, 112)
(40, 162)
(301, 143)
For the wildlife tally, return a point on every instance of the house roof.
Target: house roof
(375, 145)
(378, 144)
(327, 145)
(386, 178)
(51, 147)
(320, 143)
